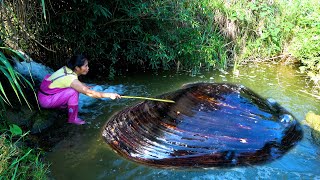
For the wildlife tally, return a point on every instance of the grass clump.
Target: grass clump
(17, 161)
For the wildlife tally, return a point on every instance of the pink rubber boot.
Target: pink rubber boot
(73, 115)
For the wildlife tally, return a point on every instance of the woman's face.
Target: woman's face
(83, 70)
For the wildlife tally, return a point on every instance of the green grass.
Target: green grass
(280, 30)
(18, 161)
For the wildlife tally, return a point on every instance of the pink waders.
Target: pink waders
(60, 98)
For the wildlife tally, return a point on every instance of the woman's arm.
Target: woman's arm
(81, 88)
(89, 87)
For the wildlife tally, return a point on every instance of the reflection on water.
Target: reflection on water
(85, 155)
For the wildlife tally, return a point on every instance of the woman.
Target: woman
(62, 88)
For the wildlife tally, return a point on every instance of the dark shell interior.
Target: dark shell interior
(209, 125)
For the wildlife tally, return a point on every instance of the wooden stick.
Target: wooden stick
(146, 98)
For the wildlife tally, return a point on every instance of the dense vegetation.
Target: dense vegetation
(124, 35)
(130, 35)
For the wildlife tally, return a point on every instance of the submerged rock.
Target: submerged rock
(209, 125)
(35, 121)
(314, 122)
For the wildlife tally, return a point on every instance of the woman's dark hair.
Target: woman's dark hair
(76, 60)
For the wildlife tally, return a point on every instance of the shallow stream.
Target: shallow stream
(85, 155)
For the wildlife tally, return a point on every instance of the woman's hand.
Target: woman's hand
(82, 88)
(111, 95)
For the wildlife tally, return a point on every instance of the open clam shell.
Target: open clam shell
(209, 125)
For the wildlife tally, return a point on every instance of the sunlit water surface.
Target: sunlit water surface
(85, 155)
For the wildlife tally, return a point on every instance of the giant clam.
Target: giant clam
(209, 125)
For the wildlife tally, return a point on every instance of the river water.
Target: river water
(84, 154)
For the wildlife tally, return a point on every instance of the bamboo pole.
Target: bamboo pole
(146, 98)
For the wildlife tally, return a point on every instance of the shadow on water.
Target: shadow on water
(85, 155)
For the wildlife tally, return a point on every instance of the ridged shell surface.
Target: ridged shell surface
(209, 125)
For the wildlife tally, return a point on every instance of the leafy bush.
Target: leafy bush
(277, 30)
(124, 35)
(260, 29)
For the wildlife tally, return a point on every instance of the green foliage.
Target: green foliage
(305, 44)
(124, 35)
(146, 34)
(15, 80)
(261, 31)
(15, 130)
(20, 23)
(18, 161)
(271, 29)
